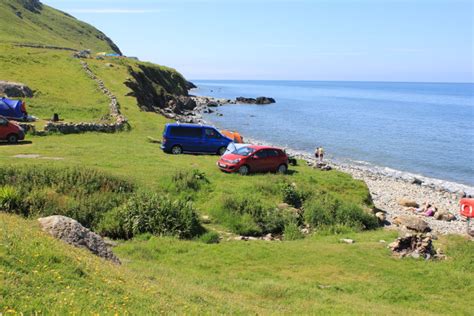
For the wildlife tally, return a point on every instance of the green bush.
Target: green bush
(291, 196)
(189, 180)
(151, 213)
(326, 210)
(210, 238)
(250, 216)
(10, 198)
(83, 194)
(292, 231)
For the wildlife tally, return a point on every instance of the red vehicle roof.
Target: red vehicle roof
(258, 147)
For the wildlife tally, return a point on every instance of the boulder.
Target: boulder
(245, 100)
(15, 89)
(444, 216)
(184, 103)
(72, 232)
(412, 223)
(381, 217)
(408, 203)
(264, 100)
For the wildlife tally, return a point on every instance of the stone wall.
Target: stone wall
(119, 121)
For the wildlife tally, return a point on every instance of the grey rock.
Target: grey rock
(412, 223)
(15, 89)
(73, 233)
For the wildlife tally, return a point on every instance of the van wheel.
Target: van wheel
(221, 151)
(282, 169)
(244, 170)
(176, 150)
(12, 138)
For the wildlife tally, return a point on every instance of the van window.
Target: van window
(178, 131)
(211, 133)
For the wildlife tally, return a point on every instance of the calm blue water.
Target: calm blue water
(421, 128)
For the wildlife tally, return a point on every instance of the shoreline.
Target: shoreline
(386, 189)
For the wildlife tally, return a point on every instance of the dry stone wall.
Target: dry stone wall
(119, 121)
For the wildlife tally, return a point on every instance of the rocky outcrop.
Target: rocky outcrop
(190, 85)
(412, 223)
(162, 90)
(15, 90)
(73, 233)
(415, 246)
(34, 6)
(259, 100)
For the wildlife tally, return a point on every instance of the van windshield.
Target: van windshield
(244, 151)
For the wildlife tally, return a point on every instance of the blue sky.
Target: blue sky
(361, 40)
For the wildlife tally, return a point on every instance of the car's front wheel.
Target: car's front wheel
(244, 170)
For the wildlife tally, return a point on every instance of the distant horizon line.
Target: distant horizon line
(319, 80)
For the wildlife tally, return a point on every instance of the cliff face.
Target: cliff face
(157, 87)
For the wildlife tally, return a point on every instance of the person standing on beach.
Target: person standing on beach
(319, 154)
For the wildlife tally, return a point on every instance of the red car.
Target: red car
(254, 159)
(10, 131)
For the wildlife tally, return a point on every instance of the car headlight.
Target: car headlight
(235, 161)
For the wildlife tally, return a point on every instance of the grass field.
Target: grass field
(314, 275)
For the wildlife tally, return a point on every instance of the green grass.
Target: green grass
(48, 27)
(60, 84)
(318, 275)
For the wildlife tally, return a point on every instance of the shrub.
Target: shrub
(83, 194)
(292, 231)
(250, 216)
(189, 180)
(151, 213)
(326, 211)
(210, 238)
(10, 199)
(291, 196)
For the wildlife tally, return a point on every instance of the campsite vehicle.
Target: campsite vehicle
(13, 109)
(179, 138)
(10, 131)
(235, 136)
(252, 158)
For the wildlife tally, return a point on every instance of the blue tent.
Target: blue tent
(11, 109)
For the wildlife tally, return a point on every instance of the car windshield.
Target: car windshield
(244, 151)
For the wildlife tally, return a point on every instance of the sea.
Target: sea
(420, 129)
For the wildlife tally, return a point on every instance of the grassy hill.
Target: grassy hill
(31, 22)
(170, 275)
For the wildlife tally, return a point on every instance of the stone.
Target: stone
(407, 203)
(283, 206)
(264, 100)
(73, 233)
(412, 223)
(15, 90)
(416, 245)
(381, 216)
(347, 241)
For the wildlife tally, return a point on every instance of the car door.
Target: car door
(212, 140)
(258, 161)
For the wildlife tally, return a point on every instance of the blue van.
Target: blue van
(179, 138)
